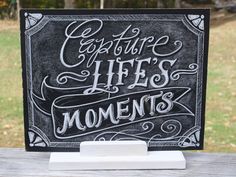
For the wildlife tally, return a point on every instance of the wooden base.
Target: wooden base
(138, 159)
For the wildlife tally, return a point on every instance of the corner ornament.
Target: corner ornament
(197, 21)
(191, 139)
(31, 19)
(36, 140)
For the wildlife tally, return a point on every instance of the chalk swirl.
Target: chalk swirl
(63, 77)
(177, 73)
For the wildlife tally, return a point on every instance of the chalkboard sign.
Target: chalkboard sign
(113, 75)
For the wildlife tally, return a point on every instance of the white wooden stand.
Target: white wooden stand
(101, 155)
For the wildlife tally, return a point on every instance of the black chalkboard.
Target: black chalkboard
(95, 75)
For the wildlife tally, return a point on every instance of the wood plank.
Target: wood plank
(18, 163)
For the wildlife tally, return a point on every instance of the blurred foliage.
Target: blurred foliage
(8, 9)
(107, 3)
(42, 3)
(87, 3)
(200, 1)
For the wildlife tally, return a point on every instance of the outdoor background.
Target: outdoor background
(220, 129)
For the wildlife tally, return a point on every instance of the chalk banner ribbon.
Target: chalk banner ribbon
(77, 114)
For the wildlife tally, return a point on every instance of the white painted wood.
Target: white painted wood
(18, 163)
(113, 148)
(153, 160)
(116, 155)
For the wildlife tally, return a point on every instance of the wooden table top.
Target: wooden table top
(16, 162)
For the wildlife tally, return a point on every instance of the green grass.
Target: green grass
(11, 121)
(220, 130)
